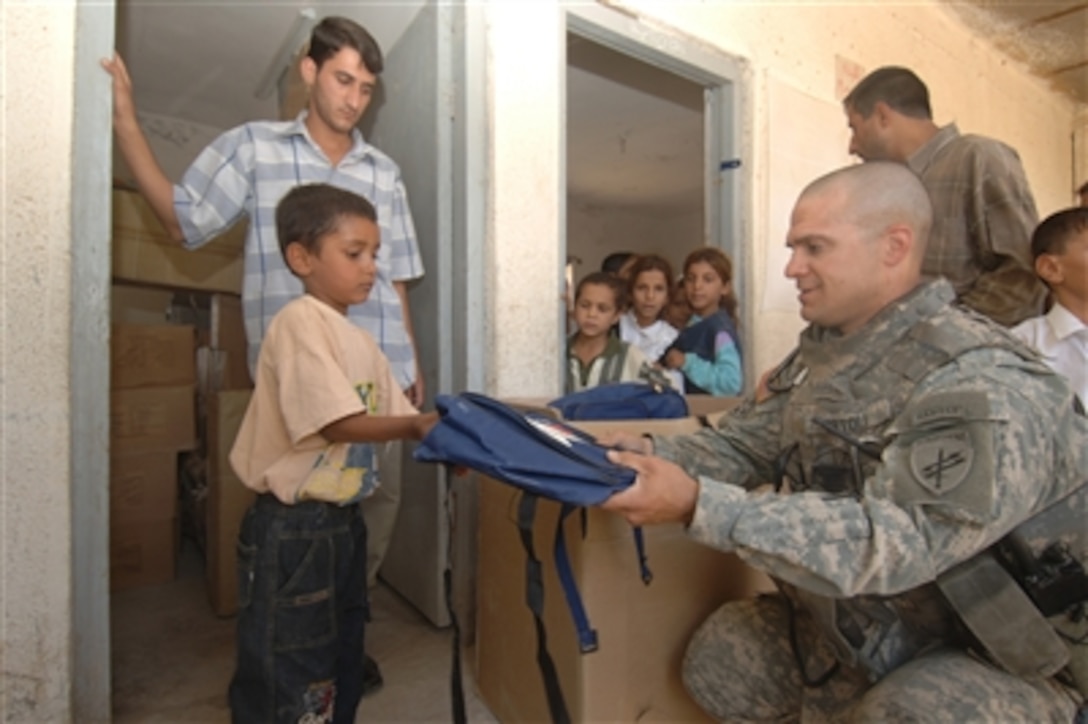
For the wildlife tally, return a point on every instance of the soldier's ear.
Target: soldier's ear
(899, 244)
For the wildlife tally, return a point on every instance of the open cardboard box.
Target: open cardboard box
(643, 630)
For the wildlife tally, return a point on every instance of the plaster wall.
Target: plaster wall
(594, 232)
(523, 256)
(35, 404)
(821, 49)
(174, 141)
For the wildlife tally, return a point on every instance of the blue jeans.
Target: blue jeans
(302, 608)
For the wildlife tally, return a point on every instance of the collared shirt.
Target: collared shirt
(247, 170)
(1062, 340)
(983, 216)
(618, 362)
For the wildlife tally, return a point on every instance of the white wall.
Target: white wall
(594, 232)
(35, 298)
(811, 48)
(174, 141)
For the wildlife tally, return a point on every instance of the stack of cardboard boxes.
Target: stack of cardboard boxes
(152, 419)
(178, 387)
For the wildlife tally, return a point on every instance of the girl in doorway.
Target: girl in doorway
(642, 326)
(595, 357)
(708, 351)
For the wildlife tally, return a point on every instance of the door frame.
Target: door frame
(726, 81)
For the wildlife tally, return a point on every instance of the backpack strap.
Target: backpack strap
(534, 596)
(587, 636)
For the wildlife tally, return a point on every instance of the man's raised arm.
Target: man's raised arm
(152, 181)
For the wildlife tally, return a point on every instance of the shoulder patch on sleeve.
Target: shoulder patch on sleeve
(944, 454)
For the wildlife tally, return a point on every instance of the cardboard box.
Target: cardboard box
(142, 553)
(133, 304)
(143, 252)
(642, 630)
(143, 419)
(152, 355)
(228, 500)
(143, 487)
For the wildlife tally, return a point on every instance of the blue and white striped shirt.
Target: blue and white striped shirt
(247, 170)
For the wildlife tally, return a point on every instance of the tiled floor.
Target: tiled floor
(173, 658)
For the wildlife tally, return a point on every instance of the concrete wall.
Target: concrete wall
(35, 533)
(594, 232)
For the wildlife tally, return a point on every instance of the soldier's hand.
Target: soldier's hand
(627, 441)
(662, 492)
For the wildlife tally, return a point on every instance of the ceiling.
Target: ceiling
(634, 132)
(1050, 38)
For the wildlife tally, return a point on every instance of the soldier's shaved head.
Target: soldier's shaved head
(877, 195)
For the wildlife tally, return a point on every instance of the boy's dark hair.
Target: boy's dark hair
(604, 279)
(311, 211)
(615, 261)
(719, 261)
(1056, 230)
(334, 33)
(900, 88)
(1083, 189)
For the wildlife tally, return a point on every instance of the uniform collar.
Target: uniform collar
(820, 345)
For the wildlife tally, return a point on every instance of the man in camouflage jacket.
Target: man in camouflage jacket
(905, 436)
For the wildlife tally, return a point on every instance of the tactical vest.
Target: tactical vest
(835, 428)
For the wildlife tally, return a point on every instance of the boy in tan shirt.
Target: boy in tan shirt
(324, 395)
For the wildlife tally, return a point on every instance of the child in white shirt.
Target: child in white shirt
(1060, 248)
(642, 326)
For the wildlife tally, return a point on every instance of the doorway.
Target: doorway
(653, 145)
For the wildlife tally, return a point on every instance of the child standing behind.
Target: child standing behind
(324, 394)
(1060, 248)
(708, 350)
(642, 326)
(595, 357)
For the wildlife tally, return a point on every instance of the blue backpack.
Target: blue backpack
(544, 458)
(622, 401)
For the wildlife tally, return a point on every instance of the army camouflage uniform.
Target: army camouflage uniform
(906, 448)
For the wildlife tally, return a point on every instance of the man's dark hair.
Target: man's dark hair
(1056, 230)
(333, 34)
(311, 211)
(899, 88)
(605, 279)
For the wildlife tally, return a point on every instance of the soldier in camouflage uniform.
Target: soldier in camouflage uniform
(905, 436)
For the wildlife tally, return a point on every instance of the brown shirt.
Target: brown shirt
(983, 216)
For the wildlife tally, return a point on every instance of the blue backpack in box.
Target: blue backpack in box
(622, 401)
(542, 457)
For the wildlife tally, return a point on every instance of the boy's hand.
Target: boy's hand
(674, 360)
(423, 424)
